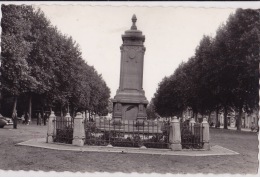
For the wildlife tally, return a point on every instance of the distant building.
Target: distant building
(161, 119)
(248, 120)
(188, 113)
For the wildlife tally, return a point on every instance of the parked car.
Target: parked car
(5, 121)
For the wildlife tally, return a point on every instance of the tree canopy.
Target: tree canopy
(222, 75)
(41, 64)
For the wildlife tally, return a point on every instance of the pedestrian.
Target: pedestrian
(217, 124)
(45, 117)
(253, 126)
(26, 117)
(39, 119)
(14, 116)
(23, 119)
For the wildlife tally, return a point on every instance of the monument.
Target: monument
(130, 102)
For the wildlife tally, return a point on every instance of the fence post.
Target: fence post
(68, 119)
(175, 135)
(192, 123)
(51, 132)
(78, 130)
(205, 126)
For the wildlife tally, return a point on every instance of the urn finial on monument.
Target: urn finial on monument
(134, 19)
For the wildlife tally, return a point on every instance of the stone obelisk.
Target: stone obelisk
(130, 102)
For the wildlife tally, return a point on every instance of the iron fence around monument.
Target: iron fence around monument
(64, 130)
(191, 136)
(128, 133)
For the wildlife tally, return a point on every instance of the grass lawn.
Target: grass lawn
(29, 158)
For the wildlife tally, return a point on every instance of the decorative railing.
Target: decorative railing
(191, 135)
(128, 133)
(64, 130)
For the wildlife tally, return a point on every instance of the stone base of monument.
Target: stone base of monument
(139, 123)
(78, 142)
(206, 146)
(117, 122)
(176, 147)
(49, 139)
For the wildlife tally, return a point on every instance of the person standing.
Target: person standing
(45, 117)
(26, 117)
(39, 119)
(15, 119)
(23, 119)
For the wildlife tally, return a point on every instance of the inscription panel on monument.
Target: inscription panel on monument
(132, 68)
(130, 112)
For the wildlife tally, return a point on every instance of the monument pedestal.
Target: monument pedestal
(129, 111)
(130, 101)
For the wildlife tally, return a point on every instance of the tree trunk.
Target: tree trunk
(216, 123)
(61, 113)
(0, 101)
(30, 108)
(225, 118)
(196, 117)
(73, 111)
(209, 119)
(14, 115)
(239, 120)
(15, 105)
(42, 112)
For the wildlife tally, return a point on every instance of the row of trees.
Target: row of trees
(42, 66)
(222, 76)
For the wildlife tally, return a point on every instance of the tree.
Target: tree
(150, 110)
(37, 59)
(169, 99)
(40, 63)
(243, 51)
(16, 78)
(223, 74)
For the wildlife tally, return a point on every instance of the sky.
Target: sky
(171, 36)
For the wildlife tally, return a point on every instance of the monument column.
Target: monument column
(130, 102)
